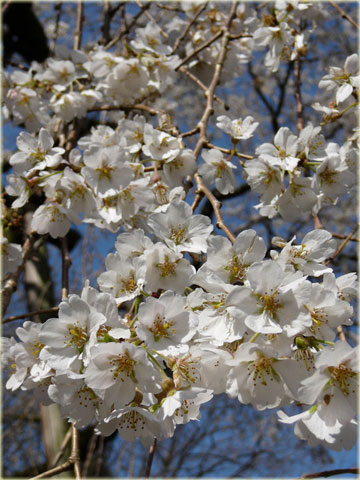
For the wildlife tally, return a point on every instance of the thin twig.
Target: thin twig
(229, 152)
(330, 473)
(338, 235)
(199, 83)
(137, 106)
(152, 19)
(187, 29)
(31, 314)
(54, 471)
(199, 49)
(79, 24)
(66, 262)
(109, 13)
(63, 445)
(342, 245)
(240, 35)
(11, 284)
(99, 460)
(216, 205)
(344, 14)
(150, 459)
(125, 31)
(299, 104)
(75, 452)
(58, 6)
(191, 132)
(202, 141)
(89, 454)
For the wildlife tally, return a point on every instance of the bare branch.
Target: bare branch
(187, 29)
(199, 49)
(203, 87)
(342, 245)
(127, 28)
(344, 14)
(79, 25)
(330, 473)
(75, 452)
(66, 262)
(299, 104)
(230, 152)
(109, 13)
(59, 454)
(216, 205)
(150, 459)
(31, 314)
(89, 453)
(54, 471)
(57, 7)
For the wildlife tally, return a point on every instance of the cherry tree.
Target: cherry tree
(228, 213)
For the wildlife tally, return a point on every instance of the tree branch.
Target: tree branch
(66, 263)
(330, 473)
(150, 459)
(187, 29)
(31, 314)
(344, 14)
(79, 25)
(298, 99)
(199, 49)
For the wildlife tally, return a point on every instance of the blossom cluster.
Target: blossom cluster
(256, 328)
(180, 313)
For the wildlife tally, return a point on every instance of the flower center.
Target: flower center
(123, 364)
(78, 336)
(177, 234)
(262, 369)
(270, 304)
(340, 377)
(236, 269)
(166, 268)
(162, 328)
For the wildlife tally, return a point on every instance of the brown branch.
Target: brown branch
(191, 132)
(338, 235)
(344, 14)
(55, 471)
(202, 141)
(330, 473)
(30, 314)
(150, 459)
(342, 245)
(203, 87)
(127, 29)
(63, 445)
(107, 19)
(229, 152)
(199, 49)
(187, 29)
(73, 460)
(90, 453)
(11, 284)
(99, 460)
(240, 35)
(298, 99)
(57, 7)
(79, 25)
(66, 262)
(75, 452)
(216, 205)
(137, 106)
